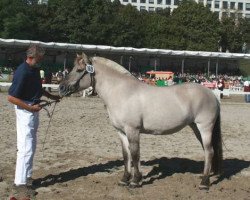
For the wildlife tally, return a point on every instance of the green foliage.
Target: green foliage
(232, 34)
(155, 30)
(191, 26)
(195, 27)
(126, 27)
(244, 67)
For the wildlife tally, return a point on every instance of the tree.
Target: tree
(17, 27)
(127, 27)
(193, 27)
(14, 19)
(155, 29)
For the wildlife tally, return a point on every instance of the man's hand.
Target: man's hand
(22, 104)
(35, 108)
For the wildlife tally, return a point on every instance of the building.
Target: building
(43, 1)
(237, 8)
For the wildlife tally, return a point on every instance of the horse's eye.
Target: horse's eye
(79, 70)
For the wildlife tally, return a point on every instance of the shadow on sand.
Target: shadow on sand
(162, 167)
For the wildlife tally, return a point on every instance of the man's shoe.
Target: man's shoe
(32, 183)
(23, 191)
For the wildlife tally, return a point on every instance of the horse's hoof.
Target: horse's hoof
(203, 187)
(205, 183)
(134, 185)
(122, 183)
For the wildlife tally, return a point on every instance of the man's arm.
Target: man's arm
(22, 104)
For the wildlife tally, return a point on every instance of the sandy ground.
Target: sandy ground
(82, 158)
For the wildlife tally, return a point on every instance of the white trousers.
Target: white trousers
(26, 124)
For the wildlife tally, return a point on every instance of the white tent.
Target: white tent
(12, 43)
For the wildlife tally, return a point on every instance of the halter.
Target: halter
(89, 70)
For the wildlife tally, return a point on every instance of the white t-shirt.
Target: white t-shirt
(42, 73)
(246, 83)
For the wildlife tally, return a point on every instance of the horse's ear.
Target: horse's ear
(85, 58)
(83, 61)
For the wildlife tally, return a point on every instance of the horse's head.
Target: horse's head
(80, 78)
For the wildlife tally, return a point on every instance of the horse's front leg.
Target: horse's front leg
(134, 147)
(127, 160)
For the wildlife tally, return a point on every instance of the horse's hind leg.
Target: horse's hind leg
(206, 135)
(127, 160)
(197, 133)
(134, 146)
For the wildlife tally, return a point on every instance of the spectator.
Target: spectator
(246, 86)
(221, 86)
(59, 76)
(170, 81)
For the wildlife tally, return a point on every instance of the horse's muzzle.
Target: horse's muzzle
(66, 90)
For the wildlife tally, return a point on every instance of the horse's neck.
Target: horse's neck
(108, 82)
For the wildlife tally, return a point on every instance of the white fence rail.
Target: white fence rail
(52, 86)
(226, 92)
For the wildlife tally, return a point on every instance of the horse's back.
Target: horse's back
(172, 108)
(184, 95)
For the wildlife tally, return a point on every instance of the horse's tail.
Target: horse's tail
(217, 146)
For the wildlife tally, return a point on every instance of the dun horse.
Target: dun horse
(135, 107)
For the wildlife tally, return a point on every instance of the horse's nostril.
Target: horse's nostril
(62, 88)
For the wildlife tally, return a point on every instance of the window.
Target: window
(142, 8)
(240, 6)
(209, 3)
(232, 5)
(225, 5)
(168, 2)
(159, 1)
(224, 14)
(143, 1)
(151, 1)
(217, 4)
(151, 9)
(247, 6)
(134, 1)
(240, 16)
(125, 0)
(232, 15)
(247, 16)
(158, 9)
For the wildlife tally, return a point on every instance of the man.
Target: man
(221, 86)
(25, 93)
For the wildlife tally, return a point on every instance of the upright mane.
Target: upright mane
(113, 65)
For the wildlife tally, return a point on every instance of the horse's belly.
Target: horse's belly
(163, 131)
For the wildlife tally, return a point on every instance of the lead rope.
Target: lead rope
(50, 115)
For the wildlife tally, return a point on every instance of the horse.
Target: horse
(135, 107)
